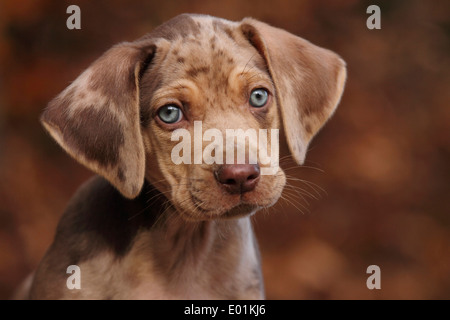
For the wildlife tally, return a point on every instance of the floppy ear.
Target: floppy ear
(309, 81)
(96, 119)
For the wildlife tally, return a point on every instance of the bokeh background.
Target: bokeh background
(380, 169)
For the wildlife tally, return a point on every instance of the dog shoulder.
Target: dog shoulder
(98, 220)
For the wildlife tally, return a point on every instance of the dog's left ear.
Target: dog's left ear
(96, 119)
(309, 81)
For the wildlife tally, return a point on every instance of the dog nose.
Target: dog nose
(238, 178)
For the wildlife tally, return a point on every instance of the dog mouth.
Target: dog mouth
(204, 200)
(237, 207)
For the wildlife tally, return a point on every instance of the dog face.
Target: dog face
(120, 116)
(208, 73)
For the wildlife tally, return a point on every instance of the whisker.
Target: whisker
(315, 187)
(316, 195)
(299, 193)
(303, 166)
(285, 198)
(293, 197)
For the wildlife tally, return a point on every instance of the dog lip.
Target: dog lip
(234, 209)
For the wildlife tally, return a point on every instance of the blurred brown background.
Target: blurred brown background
(383, 160)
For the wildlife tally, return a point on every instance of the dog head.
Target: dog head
(163, 108)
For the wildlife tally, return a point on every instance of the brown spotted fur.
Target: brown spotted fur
(146, 228)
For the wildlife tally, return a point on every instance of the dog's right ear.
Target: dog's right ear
(96, 119)
(309, 81)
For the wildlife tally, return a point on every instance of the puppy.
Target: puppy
(159, 221)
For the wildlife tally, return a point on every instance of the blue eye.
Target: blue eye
(170, 114)
(258, 98)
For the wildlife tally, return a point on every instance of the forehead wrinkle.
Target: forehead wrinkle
(174, 90)
(240, 82)
(249, 75)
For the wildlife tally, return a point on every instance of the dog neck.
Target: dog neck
(218, 254)
(177, 243)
